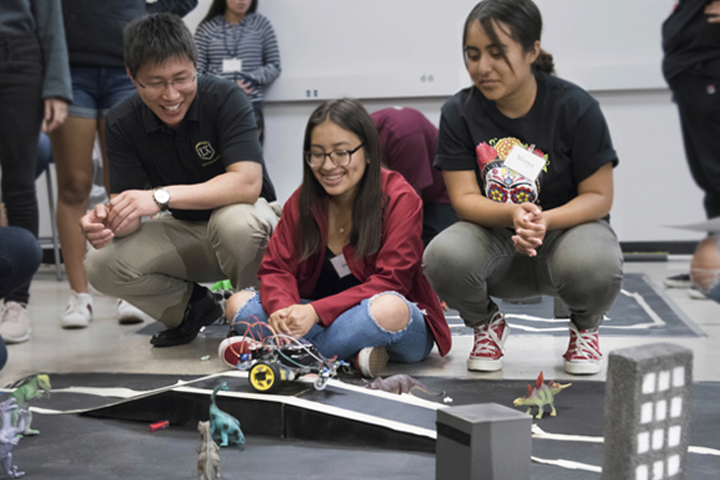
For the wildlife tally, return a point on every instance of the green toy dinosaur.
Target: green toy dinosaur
(37, 387)
(540, 396)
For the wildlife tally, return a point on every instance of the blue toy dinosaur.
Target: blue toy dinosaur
(540, 396)
(224, 426)
(10, 435)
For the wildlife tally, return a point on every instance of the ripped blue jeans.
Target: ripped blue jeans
(356, 329)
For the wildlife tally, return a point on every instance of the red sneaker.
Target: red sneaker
(489, 346)
(583, 355)
(232, 348)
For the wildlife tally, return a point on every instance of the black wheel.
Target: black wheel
(264, 377)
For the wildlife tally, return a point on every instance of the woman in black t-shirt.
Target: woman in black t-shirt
(540, 227)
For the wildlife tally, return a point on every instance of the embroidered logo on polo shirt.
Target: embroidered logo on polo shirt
(205, 150)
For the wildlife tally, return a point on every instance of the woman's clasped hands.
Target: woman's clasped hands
(530, 224)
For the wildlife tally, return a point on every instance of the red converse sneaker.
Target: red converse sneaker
(583, 355)
(489, 346)
(233, 348)
(371, 361)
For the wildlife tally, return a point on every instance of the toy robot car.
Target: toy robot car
(268, 363)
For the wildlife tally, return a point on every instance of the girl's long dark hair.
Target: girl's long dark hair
(366, 232)
(218, 7)
(525, 22)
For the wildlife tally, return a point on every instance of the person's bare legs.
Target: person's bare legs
(103, 153)
(72, 146)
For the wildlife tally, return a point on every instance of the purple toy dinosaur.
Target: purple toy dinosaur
(399, 384)
(10, 435)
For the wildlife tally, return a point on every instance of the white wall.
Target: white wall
(653, 184)
(653, 187)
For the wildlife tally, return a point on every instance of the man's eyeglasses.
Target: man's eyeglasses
(178, 84)
(341, 158)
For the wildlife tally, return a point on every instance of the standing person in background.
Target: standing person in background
(408, 142)
(34, 93)
(99, 81)
(691, 42)
(543, 232)
(20, 256)
(236, 43)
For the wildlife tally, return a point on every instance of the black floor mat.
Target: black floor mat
(72, 446)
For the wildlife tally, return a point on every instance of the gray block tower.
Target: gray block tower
(646, 413)
(483, 442)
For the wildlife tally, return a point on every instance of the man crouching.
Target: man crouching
(189, 145)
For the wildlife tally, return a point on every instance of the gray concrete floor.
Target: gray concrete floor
(106, 346)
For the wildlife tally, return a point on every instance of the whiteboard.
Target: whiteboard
(413, 48)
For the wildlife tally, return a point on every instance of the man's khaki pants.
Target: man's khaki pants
(155, 267)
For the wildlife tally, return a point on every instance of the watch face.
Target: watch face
(162, 196)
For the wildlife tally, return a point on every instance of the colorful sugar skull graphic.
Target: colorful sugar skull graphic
(502, 184)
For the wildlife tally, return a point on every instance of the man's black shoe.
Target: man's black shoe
(198, 314)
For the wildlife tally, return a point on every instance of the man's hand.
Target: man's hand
(94, 228)
(246, 86)
(55, 114)
(530, 225)
(128, 207)
(713, 12)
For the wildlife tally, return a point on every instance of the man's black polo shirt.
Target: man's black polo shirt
(218, 130)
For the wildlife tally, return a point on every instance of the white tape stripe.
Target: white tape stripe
(539, 433)
(568, 464)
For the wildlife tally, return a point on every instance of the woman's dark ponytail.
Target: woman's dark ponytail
(525, 22)
(545, 63)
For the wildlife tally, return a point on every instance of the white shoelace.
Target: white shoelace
(13, 313)
(584, 343)
(488, 333)
(76, 303)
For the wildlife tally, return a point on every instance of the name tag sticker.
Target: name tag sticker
(232, 65)
(340, 265)
(524, 162)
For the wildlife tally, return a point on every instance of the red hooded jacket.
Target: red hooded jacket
(284, 279)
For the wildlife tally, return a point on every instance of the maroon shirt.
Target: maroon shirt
(409, 141)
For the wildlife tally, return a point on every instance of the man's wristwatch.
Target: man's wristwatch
(162, 198)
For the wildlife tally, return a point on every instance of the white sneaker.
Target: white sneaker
(681, 280)
(371, 361)
(15, 323)
(129, 314)
(79, 311)
(696, 294)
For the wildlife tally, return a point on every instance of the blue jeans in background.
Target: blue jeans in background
(97, 89)
(20, 257)
(354, 330)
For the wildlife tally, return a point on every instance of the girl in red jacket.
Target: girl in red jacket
(342, 269)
